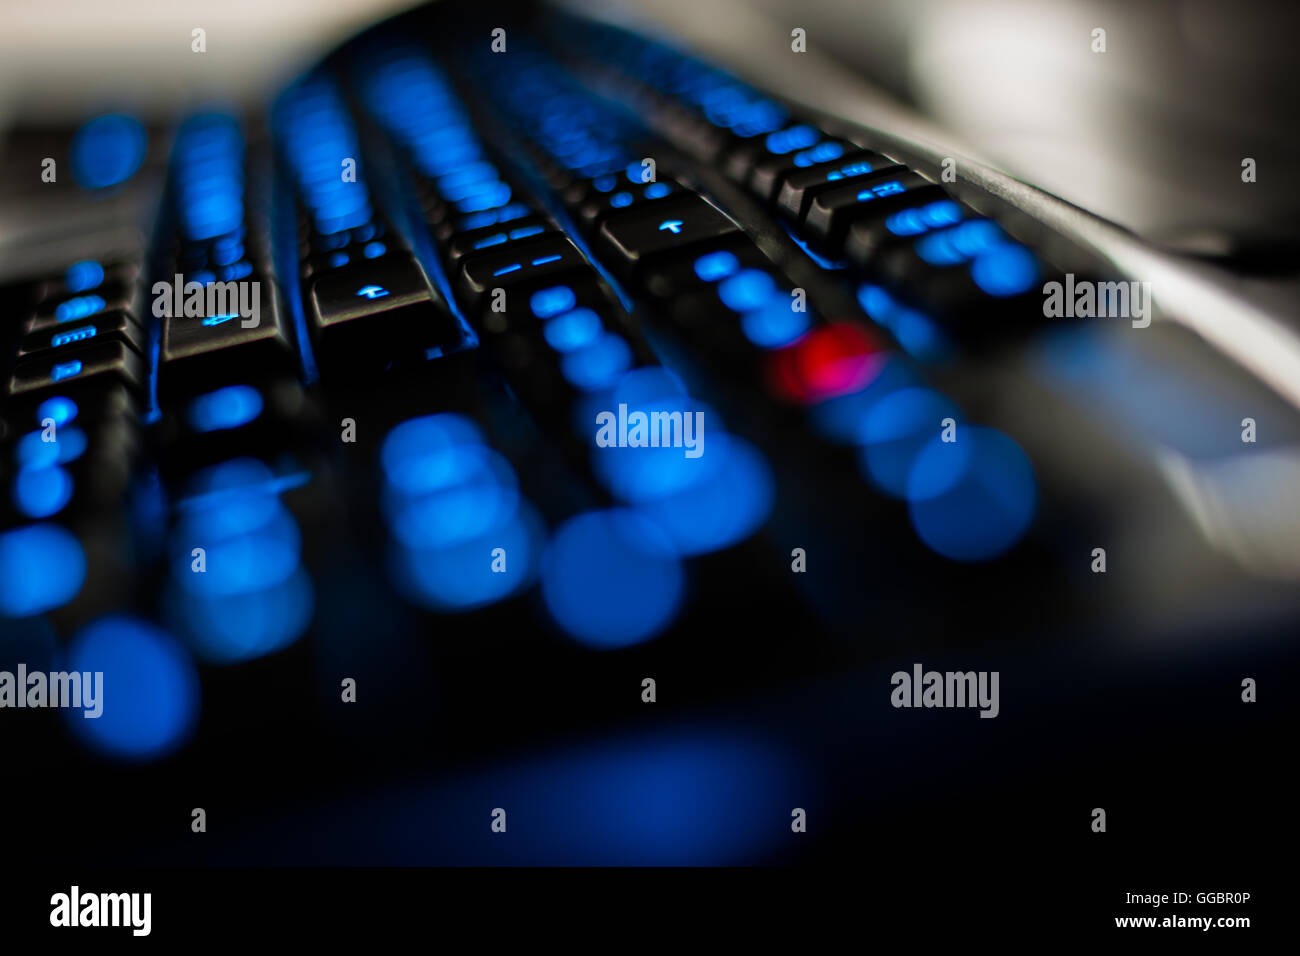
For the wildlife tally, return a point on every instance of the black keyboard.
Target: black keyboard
(556, 422)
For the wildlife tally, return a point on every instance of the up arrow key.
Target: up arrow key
(672, 225)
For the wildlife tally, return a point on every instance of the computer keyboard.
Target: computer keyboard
(478, 398)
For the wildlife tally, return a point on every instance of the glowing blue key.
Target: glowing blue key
(158, 713)
(657, 191)
(891, 188)
(1006, 270)
(548, 302)
(65, 370)
(747, 290)
(599, 364)
(716, 265)
(83, 276)
(611, 579)
(373, 250)
(59, 409)
(75, 335)
(226, 408)
(42, 567)
(572, 330)
(620, 200)
(78, 308)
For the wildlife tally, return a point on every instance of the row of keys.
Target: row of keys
(226, 321)
(847, 202)
(368, 301)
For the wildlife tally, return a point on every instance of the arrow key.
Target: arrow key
(633, 238)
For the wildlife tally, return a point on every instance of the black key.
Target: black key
(872, 196)
(799, 188)
(640, 235)
(495, 238)
(52, 369)
(106, 325)
(202, 353)
(365, 315)
(526, 266)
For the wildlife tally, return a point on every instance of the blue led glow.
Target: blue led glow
(657, 191)
(713, 266)
(150, 689)
(59, 409)
(432, 452)
(891, 188)
(972, 499)
(895, 429)
(840, 419)
(788, 140)
(548, 302)
(108, 150)
(620, 200)
(460, 577)
(83, 276)
(235, 564)
(229, 407)
(1006, 270)
(42, 567)
(729, 502)
(73, 335)
(611, 579)
(34, 452)
(599, 364)
(914, 222)
(42, 492)
(78, 308)
(774, 324)
(747, 289)
(543, 260)
(233, 628)
(572, 330)
(850, 170)
(495, 239)
(821, 153)
(65, 370)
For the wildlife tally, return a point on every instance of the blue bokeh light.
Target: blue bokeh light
(226, 408)
(973, 499)
(150, 689)
(42, 567)
(108, 150)
(611, 579)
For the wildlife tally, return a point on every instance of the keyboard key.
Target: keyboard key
(800, 186)
(200, 353)
(116, 325)
(874, 195)
(530, 264)
(55, 368)
(641, 235)
(363, 316)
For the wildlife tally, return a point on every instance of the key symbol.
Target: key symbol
(672, 225)
(218, 319)
(372, 291)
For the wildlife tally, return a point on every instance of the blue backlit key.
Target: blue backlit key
(656, 229)
(871, 196)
